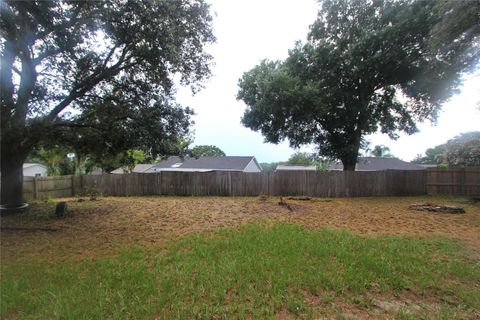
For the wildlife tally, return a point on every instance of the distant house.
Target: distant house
(139, 168)
(202, 164)
(96, 172)
(282, 167)
(34, 170)
(363, 164)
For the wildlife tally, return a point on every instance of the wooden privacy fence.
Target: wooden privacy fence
(457, 181)
(228, 183)
(41, 188)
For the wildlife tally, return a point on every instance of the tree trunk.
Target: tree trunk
(349, 164)
(350, 156)
(12, 177)
(79, 164)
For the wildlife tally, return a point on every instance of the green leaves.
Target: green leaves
(461, 151)
(344, 83)
(206, 151)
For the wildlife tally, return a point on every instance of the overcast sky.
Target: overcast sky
(249, 31)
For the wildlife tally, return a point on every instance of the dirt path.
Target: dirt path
(103, 227)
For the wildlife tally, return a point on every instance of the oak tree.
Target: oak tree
(107, 65)
(367, 66)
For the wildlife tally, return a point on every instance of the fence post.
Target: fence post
(72, 185)
(35, 188)
(81, 183)
(424, 180)
(463, 178)
(194, 192)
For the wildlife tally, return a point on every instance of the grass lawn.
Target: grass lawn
(262, 266)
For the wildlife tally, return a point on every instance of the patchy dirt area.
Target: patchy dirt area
(104, 226)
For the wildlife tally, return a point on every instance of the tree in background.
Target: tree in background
(111, 61)
(131, 159)
(269, 166)
(301, 159)
(206, 151)
(381, 151)
(461, 151)
(344, 82)
(55, 158)
(308, 159)
(435, 155)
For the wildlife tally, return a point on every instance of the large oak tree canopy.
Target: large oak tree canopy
(367, 66)
(107, 65)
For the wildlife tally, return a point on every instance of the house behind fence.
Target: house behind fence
(227, 183)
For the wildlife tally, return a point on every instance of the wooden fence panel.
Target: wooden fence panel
(223, 183)
(237, 181)
(472, 182)
(456, 181)
(28, 188)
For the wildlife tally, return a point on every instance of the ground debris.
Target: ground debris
(435, 208)
(61, 209)
(285, 204)
(304, 198)
(28, 229)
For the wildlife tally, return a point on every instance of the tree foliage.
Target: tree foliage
(104, 70)
(270, 166)
(381, 151)
(435, 155)
(345, 82)
(55, 158)
(461, 151)
(301, 159)
(206, 151)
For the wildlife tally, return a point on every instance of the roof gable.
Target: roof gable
(28, 165)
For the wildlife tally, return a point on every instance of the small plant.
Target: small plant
(48, 200)
(263, 197)
(91, 192)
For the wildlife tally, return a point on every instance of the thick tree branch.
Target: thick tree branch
(87, 84)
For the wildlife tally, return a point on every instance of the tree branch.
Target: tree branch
(87, 84)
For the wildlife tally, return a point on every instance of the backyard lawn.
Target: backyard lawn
(226, 257)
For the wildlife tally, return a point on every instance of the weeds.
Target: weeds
(257, 271)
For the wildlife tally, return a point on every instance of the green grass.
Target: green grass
(255, 271)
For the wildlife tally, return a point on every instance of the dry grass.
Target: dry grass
(295, 272)
(103, 227)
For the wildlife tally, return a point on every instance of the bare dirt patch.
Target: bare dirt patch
(103, 227)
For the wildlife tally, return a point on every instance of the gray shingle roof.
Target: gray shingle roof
(211, 163)
(363, 164)
(139, 168)
(282, 167)
(377, 163)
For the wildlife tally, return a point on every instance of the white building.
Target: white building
(34, 170)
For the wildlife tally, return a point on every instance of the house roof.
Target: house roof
(282, 167)
(139, 168)
(378, 163)
(231, 163)
(27, 165)
(363, 164)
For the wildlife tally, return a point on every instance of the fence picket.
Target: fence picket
(462, 181)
